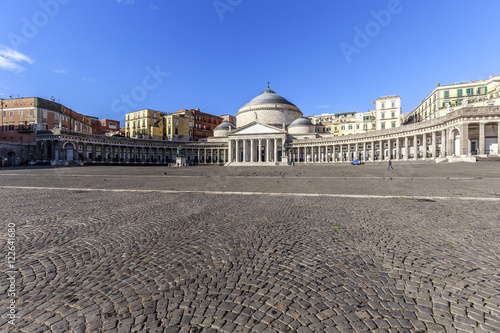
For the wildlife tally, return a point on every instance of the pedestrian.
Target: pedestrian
(390, 165)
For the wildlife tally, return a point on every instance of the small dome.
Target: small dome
(301, 122)
(224, 126)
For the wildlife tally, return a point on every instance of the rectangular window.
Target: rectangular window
(357, 126)
(459, 92)
(383, 125)
(470, 91)
(393, 115)
(479, 90)
(393, 124)
(383, 115)
(447, 94)
(11, 113)
(485, 90)
(4, 113)
(20, 113)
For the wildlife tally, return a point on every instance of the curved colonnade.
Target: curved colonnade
(463, 132)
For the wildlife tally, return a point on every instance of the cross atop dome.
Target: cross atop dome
(268, 84)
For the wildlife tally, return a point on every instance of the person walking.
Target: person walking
(390, 165)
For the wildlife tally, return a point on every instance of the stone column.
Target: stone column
(424, 145)
(405, 156)
(267, 150)
(259, 151)
(251, 150)
(415, 147)
(482, 150)
(244, 150)
(464, 139)
(433, 145)
(372, 157)
(212, 155)
(389, 149)
(443, 152)
(205, 156)
(275, 150)
(381, 150)
(397, 149)
(237, 142)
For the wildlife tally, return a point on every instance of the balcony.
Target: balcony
(25, 129)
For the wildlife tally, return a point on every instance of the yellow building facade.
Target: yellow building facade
(179, 126)
(145, 124)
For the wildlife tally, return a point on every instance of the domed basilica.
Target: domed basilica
(263, 127)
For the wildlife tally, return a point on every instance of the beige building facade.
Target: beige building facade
(445, 99)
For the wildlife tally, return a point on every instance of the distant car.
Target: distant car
(357, 162)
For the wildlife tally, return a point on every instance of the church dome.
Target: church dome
(301, 122)
(268, 108)
(222, 129)
(301, 126)
(224, 125)
(268, 97)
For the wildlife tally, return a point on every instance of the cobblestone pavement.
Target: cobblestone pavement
(124, 249)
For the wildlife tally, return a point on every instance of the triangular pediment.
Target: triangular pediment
(257, 128)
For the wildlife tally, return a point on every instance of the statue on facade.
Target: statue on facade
(180, 151)
(284, 149)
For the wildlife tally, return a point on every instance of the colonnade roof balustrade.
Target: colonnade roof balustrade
(407, 130)
(110, 140)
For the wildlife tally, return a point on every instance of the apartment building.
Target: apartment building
(22, 117)
(145, 124)
(443, 99)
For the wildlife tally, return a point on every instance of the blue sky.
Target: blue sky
(108, 57)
